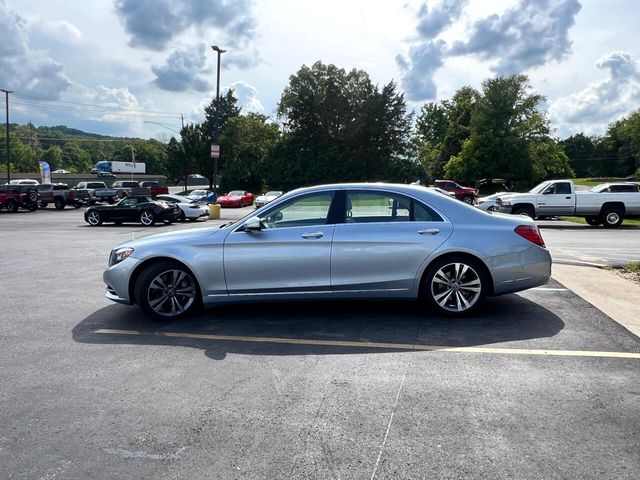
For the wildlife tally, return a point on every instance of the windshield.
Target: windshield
(236, 193)
(539, 188)
(599, 188)
(199, 192)
(273, 194)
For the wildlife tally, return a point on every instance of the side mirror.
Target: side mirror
(252, 225)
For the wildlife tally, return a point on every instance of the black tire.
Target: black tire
(455, 285)
(528, 211)
(58, 203)
(94, 218)
(11, 206)
(167, 291)
(77, 204)
(612, 217)
(468, 199)
(118, 222)
(43, 204)
(147, 218)
(182, 216)
(32, 207)
(32, 196)
(594, 221)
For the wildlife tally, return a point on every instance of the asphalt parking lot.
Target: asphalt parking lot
(536, 385)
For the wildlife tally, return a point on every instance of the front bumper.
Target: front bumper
(117, 278)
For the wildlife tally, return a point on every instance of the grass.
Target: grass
(632, 222)
(592, 182)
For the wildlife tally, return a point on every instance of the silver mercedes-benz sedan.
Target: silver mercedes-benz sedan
(335, 241)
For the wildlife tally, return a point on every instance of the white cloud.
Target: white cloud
(601, 102)
(247, 97)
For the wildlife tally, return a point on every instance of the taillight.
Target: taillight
(531, 233)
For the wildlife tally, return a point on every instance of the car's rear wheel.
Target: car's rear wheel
(468, 199)
(147, 218)
(182, 216)
(455, 285)
(167, 291)
(43, 204)
(612, 218)
(58, 203)
(93, 218)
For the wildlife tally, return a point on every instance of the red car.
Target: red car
(236, 198)
(466, 194)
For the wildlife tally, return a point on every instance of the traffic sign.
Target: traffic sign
(215, 151)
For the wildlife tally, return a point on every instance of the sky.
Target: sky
(141, 67)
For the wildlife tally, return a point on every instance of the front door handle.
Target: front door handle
(313, 235)
(568, 198)
(429, 231)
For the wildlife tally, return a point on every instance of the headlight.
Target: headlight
(506, 203)
(119, 255)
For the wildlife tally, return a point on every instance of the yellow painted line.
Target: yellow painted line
(392, 346)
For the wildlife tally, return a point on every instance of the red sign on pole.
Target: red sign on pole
(215, 151)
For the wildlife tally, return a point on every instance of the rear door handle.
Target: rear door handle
(429, 231)
(313, 235)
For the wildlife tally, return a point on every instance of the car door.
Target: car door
(556, 199)
(290, 254)
(383, 242)
(126, 210)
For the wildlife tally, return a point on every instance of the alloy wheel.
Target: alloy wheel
(456, 287)
(93, 218)
(171, 293)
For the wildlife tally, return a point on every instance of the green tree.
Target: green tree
(506, 122)
(212, 128)
(247, 141)
(580, 149)
(54, 157)
(341, 127)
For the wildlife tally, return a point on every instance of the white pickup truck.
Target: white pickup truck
(598, 206)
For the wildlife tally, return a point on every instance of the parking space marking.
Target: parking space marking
(549, 289)
(381, 345)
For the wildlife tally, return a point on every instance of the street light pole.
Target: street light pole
(6, 98)
(219, 51)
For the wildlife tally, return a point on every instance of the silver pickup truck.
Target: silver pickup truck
(602, 205)
(92, 192)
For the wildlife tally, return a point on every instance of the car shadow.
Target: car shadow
(504, 319)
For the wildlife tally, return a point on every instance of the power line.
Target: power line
(86, 112)
(109, 107)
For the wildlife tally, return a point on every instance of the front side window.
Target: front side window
(563, 188)
(129, 201)
(309, 210)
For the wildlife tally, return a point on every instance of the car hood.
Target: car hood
(174, 238)
(230, 197)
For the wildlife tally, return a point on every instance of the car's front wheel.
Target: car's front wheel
(147, 218)
(167, 291)
(93, 218)
(594, 221)
(455, 285)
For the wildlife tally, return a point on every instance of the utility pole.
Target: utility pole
(182, 118)
(6, 98)
(219, 51)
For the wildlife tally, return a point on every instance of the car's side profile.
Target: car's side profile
(336, 241)
(189, 209)
(133, 208)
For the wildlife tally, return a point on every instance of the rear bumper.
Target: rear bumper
(522, 270)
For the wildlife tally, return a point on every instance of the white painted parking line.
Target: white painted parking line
(549, 289)
(388, 346)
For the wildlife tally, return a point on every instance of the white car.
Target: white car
(24, 181)
(61, 171)
(262, 200)
(189, 209)
(488, 203)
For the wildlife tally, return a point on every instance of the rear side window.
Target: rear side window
(372, 207)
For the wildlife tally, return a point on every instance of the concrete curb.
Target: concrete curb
(618, 297)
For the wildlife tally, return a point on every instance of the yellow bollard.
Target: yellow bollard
(214, 210)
